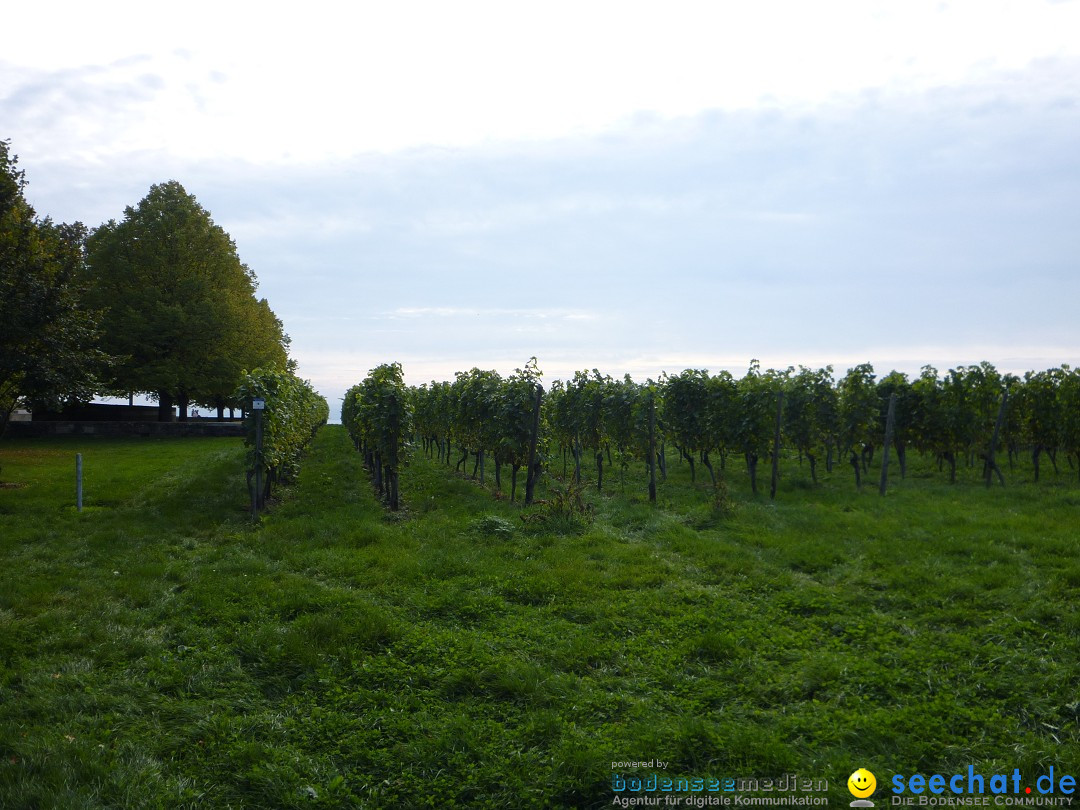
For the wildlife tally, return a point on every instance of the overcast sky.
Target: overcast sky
(636, 187)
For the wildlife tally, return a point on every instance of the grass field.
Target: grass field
(160, 650)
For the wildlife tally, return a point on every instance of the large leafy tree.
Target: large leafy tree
(47, 335)
(180, 307)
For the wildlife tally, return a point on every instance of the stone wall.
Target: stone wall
(28, 430)
(99, 412)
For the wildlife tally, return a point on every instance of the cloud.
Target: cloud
(468, 312)
(906, 227)
(85, 106)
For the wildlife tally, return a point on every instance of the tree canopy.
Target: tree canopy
(47, 339)
(179, 307)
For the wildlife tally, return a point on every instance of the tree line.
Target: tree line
(156, 302)
(710, 421)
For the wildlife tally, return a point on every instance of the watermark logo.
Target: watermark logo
(862, 785)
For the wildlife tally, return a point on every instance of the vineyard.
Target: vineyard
(716, 423)
(277, 433)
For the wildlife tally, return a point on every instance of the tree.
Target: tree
(378, 415)
(1069, 408)
(686, 414)
(476, 420)
(753, 416)
(896, 382)
(858, 408)
(1040, 409)
(576, 415)
(514, 420)
(47, 339)
(260, 343)
(809, 402)
(179, 306)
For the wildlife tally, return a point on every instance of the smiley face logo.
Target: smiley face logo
(861, 783)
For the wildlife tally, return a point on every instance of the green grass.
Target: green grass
(160, 650)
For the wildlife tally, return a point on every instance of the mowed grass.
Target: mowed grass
(159, 650)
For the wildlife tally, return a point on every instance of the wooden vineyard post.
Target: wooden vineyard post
(259, 501)
(991, 465)
(776, 445)
(395, 437)
(531, 474)
(78, 482)
(652, 448)
(890, 416)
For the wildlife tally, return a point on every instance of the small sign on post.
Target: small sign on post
(258, 404)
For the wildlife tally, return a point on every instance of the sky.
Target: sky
(633, 187)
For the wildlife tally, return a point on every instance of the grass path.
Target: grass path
(161, 651)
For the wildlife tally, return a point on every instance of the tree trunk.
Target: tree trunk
(751, 466)
(513, 480)
(392, 467)
(708, 466)
(890, 416)
(813, 466)
(776, 445)
(532, 473)
(991, 463)
(182, 402)
(652, 450)
(856, 464)
(165, 407)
